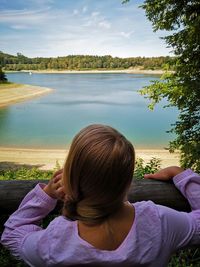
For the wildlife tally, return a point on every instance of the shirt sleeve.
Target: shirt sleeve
(25, 221)
(188, 182)
(181, 228)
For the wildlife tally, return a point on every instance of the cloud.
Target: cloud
(95, 14)
(126, 34)
(77, 29)
(23, 16)
(104, 24)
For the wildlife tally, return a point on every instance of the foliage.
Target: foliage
(7, 260)
(3, 78)
(186, 258)
(150, 167)
(25, 174)
(81, 62)
(181, 88)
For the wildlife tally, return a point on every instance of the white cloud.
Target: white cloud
(88, 23)
(23, 16)
(104, 24)
(126, 34)
(95, 14)
(60, 32)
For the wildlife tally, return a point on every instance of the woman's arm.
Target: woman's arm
(34, 207)
(181, 228)
(188, 183)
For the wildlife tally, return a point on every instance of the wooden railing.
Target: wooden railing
(163, 193)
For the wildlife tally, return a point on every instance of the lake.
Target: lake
(78, 100)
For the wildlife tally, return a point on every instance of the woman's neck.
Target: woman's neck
(111, 233)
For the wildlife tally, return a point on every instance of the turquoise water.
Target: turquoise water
(51, 121)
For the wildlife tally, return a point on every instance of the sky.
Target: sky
(51, 28)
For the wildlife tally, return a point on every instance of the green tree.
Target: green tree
(3, 78)
(21, 62)
(182, 88)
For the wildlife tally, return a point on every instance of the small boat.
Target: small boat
(30, 73)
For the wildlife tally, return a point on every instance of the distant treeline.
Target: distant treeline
(80, 62)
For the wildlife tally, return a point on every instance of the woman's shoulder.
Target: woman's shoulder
(145, 238)
(147, 218)
(62, 221)
(148, 207)
(60, 226)
(58, 231)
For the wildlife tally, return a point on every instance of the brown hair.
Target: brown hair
(97, 173)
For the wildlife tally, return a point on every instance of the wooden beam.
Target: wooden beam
(163, 193)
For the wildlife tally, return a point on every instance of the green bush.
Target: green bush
(186, 258)
(25, 174)
(150, 167)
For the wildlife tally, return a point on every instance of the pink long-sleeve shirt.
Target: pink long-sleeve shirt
(156, 232)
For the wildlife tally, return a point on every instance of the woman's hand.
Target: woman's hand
(54, 188)
(165, 174)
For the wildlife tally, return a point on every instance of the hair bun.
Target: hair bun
(70, 205)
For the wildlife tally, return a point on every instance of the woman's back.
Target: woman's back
(110, 234)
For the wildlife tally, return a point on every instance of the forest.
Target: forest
(84, 62)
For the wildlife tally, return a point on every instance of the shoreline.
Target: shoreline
(129, 71)
(46, 159)
(15, 93)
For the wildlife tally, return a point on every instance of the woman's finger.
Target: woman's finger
(149, 176)
(58, 172)
(60, 192)
(58, 184)
(153, 176)
(57, 178)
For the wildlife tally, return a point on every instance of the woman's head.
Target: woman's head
(97, 173)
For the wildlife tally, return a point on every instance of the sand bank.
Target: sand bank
(134, 71)
(47, 158)
(13, 93)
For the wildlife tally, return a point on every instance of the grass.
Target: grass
(184, 258)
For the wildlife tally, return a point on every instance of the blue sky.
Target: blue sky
(51, 28)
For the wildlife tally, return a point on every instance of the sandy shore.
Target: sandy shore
(47, 158)
(134, 71)
(13, 93)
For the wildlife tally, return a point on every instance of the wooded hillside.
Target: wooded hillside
(83, 62)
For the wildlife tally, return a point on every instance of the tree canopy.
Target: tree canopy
(83, 62)
(3, 78)
(182, 88)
